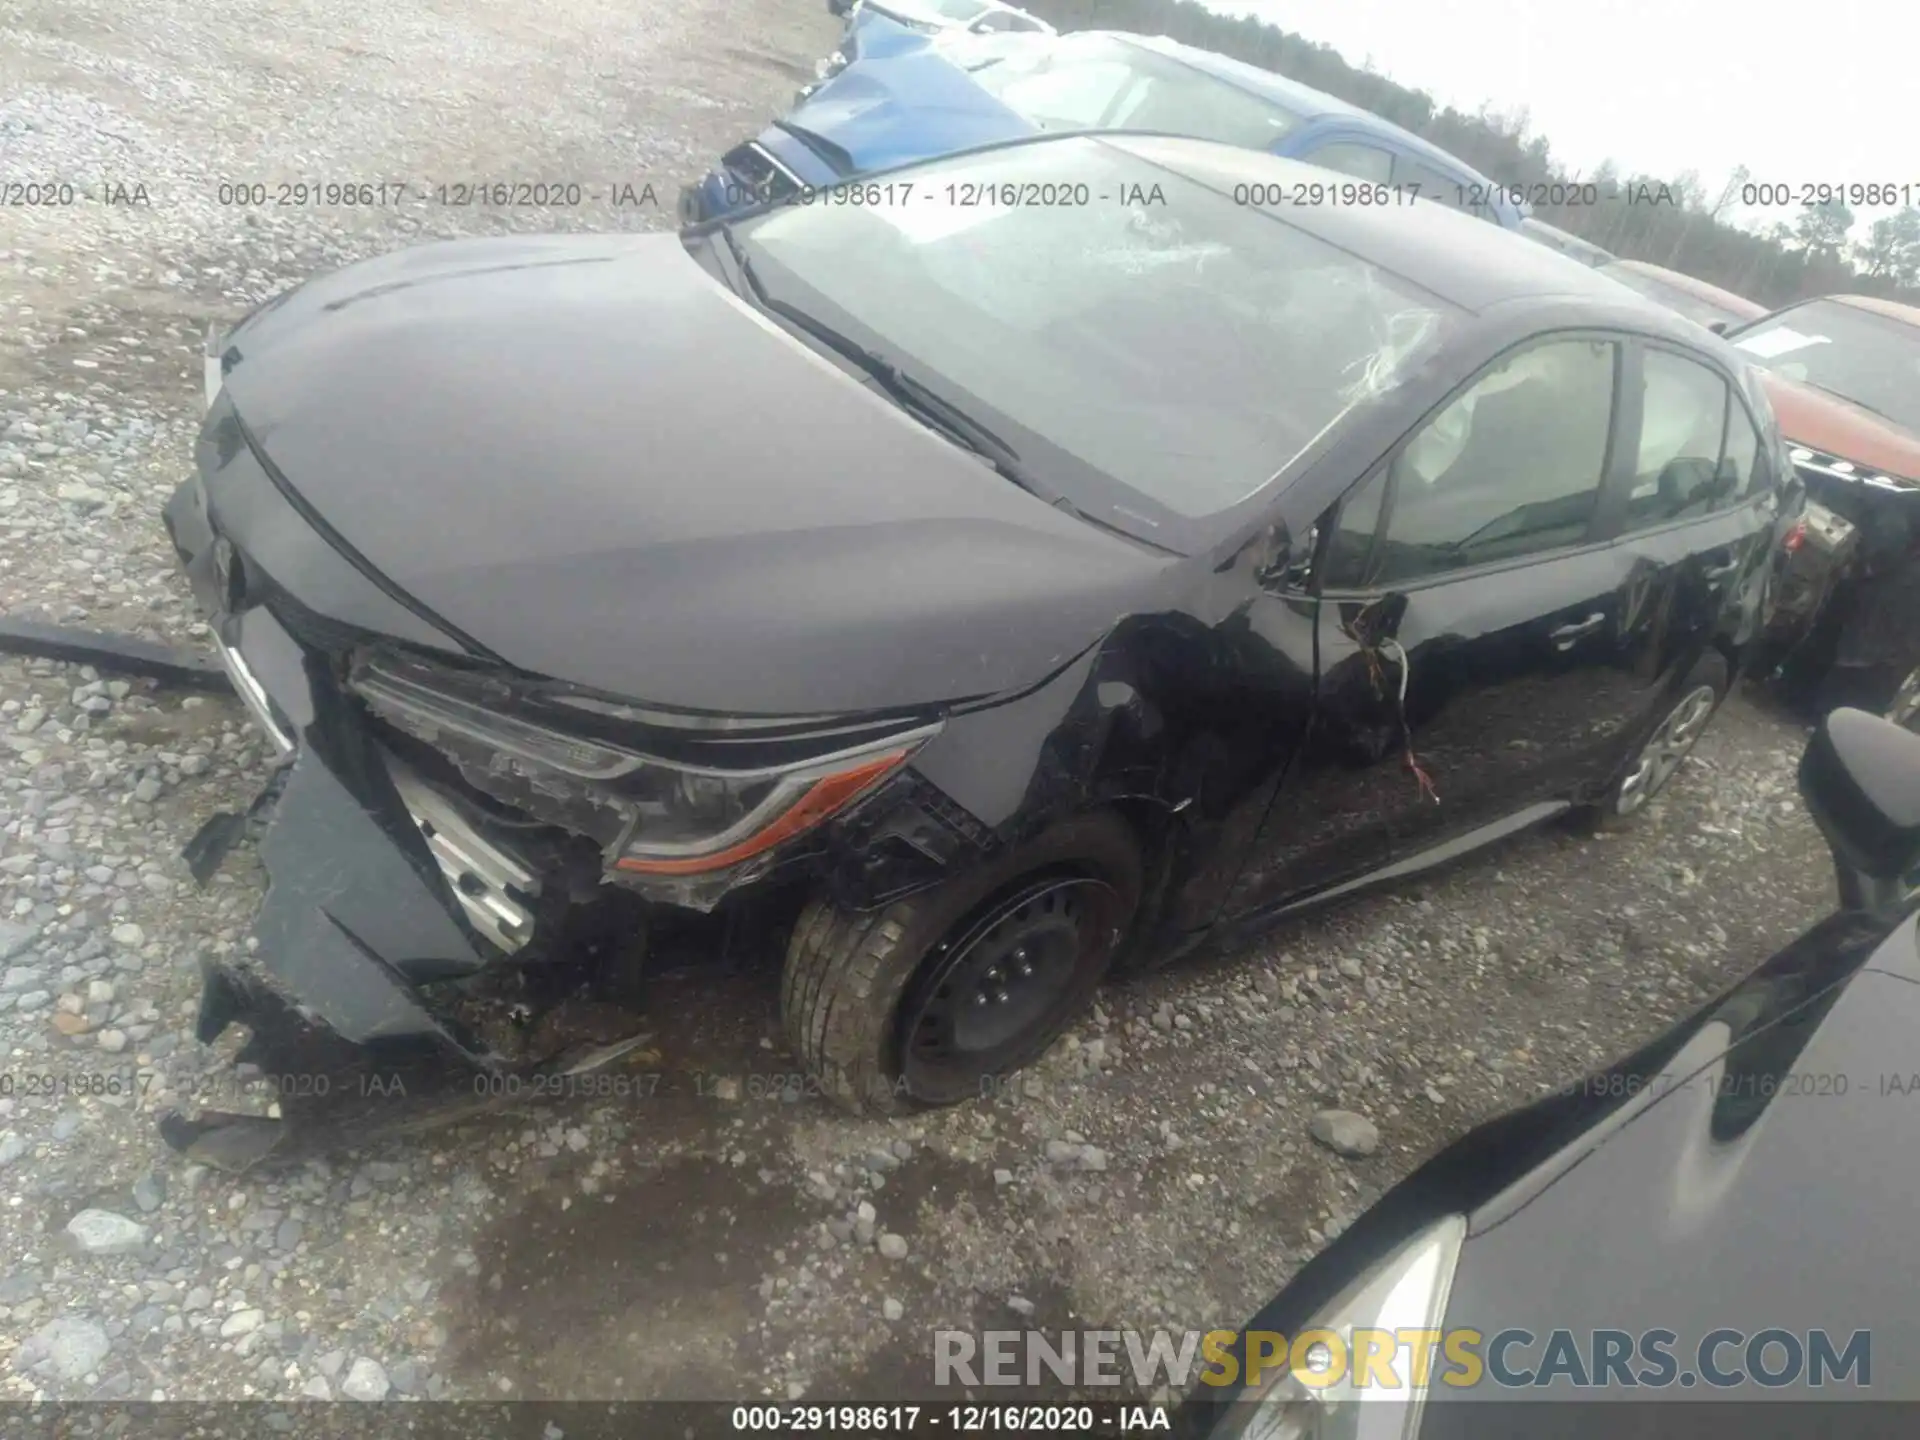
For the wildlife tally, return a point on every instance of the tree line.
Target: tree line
(1676, 222)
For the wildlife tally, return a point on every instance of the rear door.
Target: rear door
(1694, 509)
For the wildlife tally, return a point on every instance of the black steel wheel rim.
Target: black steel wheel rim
(1005, 981)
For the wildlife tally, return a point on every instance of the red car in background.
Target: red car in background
(1695, 299)
(1843, 374)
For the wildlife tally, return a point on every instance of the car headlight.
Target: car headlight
(1313, 1395)
(652, 816)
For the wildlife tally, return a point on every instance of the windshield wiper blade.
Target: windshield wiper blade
(911, 394)
(957, 425)
(917, 396)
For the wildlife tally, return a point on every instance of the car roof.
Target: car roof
(1892, 309)
(1303, 100)
(1692, 285)
(1462, 259)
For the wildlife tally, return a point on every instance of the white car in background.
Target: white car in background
(909, 21)
(930, 16)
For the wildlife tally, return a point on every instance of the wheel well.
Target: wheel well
(1150, 823)
(1147, 819)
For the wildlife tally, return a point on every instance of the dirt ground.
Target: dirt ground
(707, 1238)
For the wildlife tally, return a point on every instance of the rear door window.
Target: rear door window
(1684, 467)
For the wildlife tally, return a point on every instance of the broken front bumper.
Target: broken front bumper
(385, 891)
(379, 884)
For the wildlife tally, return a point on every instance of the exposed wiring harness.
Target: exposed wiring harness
(1372, 651)
(1419, 771)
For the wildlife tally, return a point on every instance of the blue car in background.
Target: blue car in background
(892, 95)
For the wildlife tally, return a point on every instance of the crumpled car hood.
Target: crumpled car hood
(588, 456)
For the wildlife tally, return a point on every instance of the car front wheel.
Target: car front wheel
(937, 998)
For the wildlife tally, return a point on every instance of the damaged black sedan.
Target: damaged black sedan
(999, 591)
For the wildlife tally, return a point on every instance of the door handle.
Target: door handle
(1564, 637)
(1714, 574)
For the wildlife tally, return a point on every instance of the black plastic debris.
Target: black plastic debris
(107, 650)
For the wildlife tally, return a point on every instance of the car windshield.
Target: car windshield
(1095, 82)
(1159, 353)
(1673, 297)
(1871, 359)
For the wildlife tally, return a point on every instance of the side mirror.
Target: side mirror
(1289, 564)
(1860, 778)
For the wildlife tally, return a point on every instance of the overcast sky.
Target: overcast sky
(1797, 93)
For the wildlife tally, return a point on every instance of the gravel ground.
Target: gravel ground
(1158, 1169)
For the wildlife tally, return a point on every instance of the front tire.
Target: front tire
(936, 998)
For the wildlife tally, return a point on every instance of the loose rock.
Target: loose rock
(1345, 1133)
(69, 1348)
(366, 1380)
(103, 1232)
(242, 1322)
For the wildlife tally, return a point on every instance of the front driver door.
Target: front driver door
(1477, 656)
